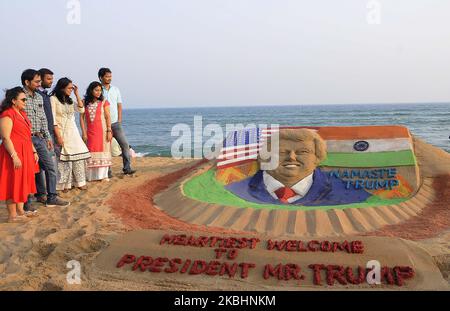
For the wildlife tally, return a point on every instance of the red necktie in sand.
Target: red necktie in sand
(284, 194)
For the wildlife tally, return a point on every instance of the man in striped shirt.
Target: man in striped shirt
(42, 141)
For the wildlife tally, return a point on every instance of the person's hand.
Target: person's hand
(109, 136)
(49, 144)
(60, 141)
(75, 91)
(36, 157)
(84, 137)
(16, 161)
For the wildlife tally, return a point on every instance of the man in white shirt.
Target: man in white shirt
(113, 96)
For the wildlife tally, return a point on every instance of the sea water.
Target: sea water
(149, 130)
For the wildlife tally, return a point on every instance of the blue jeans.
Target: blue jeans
(45, 183)
(119, 135)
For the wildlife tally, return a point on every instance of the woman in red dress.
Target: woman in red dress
(18, 158)
(95, 124)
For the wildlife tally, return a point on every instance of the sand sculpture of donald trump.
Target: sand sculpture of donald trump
(297, 180)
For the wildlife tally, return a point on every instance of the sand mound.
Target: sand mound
(434, 218)
(389, 252)
(433, 161)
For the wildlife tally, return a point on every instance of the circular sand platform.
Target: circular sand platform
(296, 222)
(433, 162)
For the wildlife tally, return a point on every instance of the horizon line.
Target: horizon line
(286, 105)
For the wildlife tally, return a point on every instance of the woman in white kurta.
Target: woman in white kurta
(70, 147)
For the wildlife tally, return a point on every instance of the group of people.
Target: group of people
(42, 151)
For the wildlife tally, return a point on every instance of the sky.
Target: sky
(203, 53)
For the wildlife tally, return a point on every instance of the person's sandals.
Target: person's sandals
(19, 219)
(31, 214)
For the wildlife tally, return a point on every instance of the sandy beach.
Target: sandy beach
(33, 256)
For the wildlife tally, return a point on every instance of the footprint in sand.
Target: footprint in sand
(63, 235)
(103, 195)
(12, 268)
(44, 250)
(92, 244)
(44, 232)
(50, 286)
(76, 199)
(95, 202)
(5, 254)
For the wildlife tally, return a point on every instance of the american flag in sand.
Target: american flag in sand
(241, 146)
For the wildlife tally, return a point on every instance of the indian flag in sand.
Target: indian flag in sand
(368, 146)
(364, 146)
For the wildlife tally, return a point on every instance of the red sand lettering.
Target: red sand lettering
(345, 275)
(354, 247)
(192, 267)
(183, 240)
(283, 272)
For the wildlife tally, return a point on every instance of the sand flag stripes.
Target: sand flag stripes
(240, 147)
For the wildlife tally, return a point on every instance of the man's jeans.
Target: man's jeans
(119, 135)
(47, 163)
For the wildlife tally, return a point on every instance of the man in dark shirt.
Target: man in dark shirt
(46, 83)
(42, 179)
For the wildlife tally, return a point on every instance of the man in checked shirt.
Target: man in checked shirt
(42, 141)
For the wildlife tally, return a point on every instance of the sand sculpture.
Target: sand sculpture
(330, 181)
(310, 221)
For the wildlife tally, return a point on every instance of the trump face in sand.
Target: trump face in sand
(297, 180)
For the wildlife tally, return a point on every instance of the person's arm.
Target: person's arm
(119, 112)
(44, 127)
(6, 125)
(108, 124)
(36, 156)
(83, 127)
(57, 124)
(79, 104)
(119, 106)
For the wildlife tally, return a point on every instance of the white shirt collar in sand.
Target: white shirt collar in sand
(301, 188)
